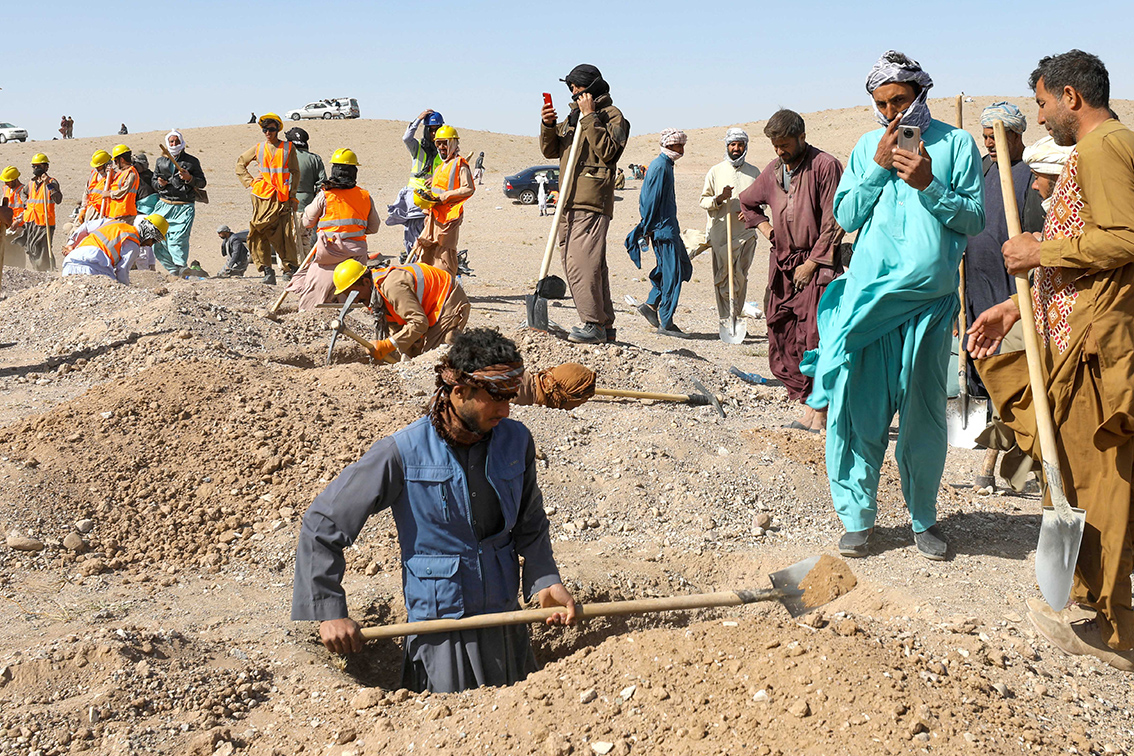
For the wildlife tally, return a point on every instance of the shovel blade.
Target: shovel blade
(964, 426)
(787, 581)
(1057, 553)
(537, 312)
(733, 331)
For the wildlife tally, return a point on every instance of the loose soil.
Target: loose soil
(830, 578)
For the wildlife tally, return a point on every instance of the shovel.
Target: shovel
(1061, 530)
(733, 331)
(553, 287)
(785, 589)
(965, 417)
(702, 399)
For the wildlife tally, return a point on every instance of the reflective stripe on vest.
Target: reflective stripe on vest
(127, 205)
(275, 178)
(110, 238)
(12, 200)
(431, 285)
(346, 213)
(448, 178)
(38, 197)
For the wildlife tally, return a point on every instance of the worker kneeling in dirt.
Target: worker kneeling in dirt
(112, 248)
(425, 304)
(461, 485)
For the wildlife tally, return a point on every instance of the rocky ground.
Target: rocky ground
(160, 442)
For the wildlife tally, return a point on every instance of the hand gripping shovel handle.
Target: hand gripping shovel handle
(1044, 426)
(564, 189)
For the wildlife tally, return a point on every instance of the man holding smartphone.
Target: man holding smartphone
(885, 326)
(589, 200)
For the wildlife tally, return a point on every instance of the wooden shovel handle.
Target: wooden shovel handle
(587, 611)
(687, 398)
(1044, 426)
(283, 294)
(564, 187)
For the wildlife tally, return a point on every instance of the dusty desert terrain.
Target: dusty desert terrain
(161, 442)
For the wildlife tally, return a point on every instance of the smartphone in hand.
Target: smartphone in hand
(909, 138)
(547, 99)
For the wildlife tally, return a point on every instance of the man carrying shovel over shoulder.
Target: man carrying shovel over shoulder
(588, 205)
(1083, 295)
(461, 484)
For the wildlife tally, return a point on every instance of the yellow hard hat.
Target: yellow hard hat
(39, 159)
(119, 151)
(446, 132)
(344, 156)
(100, 158)
(11, 173)
(346, 273)
(160, 223)
(270, 117)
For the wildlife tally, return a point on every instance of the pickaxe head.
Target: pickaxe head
(708, 397)
(337, 323)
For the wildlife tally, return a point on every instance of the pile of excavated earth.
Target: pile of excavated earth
(160, 442)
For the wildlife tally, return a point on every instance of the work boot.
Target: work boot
(1091, 641)
(672, 330)
(1057, 632)
(650, 314)
(269, 276)
(288, 272)
(855, 543)
(591, 333)
(930, 544)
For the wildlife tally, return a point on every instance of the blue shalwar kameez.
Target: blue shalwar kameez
(657, 204)
(885, 327)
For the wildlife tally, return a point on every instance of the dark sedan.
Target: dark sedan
(523, 186)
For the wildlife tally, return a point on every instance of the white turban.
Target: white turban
(175, 151)
(1008, 113)
(736, 135)
(670, 137)
(1046, 157)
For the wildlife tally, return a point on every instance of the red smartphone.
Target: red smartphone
(547, 99)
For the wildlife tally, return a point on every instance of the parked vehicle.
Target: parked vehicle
(523, 185)
(341, 107)
(11, 133)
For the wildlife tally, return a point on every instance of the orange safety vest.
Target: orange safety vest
(110, 238)
(275, 179)
(12, 199)
(446, 178)
(128, 205)
(433, 287)
(39, 205)
(95, 184)
(346, 213)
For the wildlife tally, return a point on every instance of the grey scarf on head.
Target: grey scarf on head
(897, 68)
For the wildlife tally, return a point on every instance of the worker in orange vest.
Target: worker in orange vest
(40, 198)
(343, 214)
(418, 307)
(273, 200)
(452, 185)
(11, 197)
(122, 200)
(95, 199)
(113, 247)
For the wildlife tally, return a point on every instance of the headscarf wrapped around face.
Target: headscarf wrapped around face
(175, 151)
(501, 381)
(736, 134)
(669, 138)
(1008, 113)
(1047, 157)
(898, 68)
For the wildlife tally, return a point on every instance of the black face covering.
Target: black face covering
(590, 79)
(39, 170)
(342, 176)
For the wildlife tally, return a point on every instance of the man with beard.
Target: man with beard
(797, 190)
(273, 200)
(461, 484)
(885, 326)
(1083, 295)
(724, 184)
(589, 203)
(177, 183)
(39, 197)
(451, 186)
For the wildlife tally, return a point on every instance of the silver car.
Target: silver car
(343, 107)
(10, 133)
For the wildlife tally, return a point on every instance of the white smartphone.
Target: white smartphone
(909, 138)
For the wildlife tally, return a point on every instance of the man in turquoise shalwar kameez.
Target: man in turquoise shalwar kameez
(885, 327)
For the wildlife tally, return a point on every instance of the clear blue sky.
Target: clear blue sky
(483, 65)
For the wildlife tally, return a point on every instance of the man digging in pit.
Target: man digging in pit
(461, 485)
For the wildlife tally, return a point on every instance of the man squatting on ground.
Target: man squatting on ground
(885, 326)
(589, 205)
(177, 187)
(1083, 295)
(797, 190)
(234, 249)
(273, 199)
(657, 204)
(724, 184)
(461, 485)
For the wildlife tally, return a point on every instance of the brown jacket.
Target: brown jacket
(604, 138)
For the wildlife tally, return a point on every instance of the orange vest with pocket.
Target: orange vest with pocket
(445, 179)
(12, 199)
(275, 179)
(39, 205)
(346, 213)
(110, 238)
(432, 286)
(127, 206)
